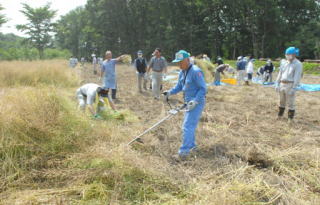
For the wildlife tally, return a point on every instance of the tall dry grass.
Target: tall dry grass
(37, 124)
(36, 73)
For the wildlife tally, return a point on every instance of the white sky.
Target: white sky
(12, 11)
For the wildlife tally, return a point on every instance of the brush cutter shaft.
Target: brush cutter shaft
(172, 113)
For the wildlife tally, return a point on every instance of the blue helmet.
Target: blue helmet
(292, 51)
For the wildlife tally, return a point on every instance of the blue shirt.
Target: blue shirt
(192, 83)
(109, 69)
(241, 65)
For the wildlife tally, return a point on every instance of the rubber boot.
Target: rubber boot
(114, 94)
(291, 115)
(281, 112)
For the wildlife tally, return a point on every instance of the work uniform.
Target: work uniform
(158, 66)
(141, 65)
(193, 85)
(110, 78)
(86, 94)
(288, 79)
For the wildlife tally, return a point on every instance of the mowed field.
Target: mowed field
(52, 154)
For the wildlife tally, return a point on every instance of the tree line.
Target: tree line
(226, 28)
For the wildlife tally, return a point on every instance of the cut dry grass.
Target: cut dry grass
(245, 156)
(207, 68)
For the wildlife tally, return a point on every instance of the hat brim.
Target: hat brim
(177, 60)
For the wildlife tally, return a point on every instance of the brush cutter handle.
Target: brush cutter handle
(171, 114)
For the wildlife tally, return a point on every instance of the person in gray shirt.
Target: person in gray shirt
(158, 65)
(288, 80)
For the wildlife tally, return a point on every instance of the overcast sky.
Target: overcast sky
(12, 11)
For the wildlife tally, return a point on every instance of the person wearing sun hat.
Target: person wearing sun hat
(191, 82)
(288, 80)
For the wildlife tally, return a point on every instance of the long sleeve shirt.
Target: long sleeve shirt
(250, 67)
(192, 83)
(291, 72)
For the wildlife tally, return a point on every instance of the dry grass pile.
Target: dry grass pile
(207, 68)
(126, 59)
(36, 73)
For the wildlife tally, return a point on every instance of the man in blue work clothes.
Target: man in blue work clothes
(191, 82)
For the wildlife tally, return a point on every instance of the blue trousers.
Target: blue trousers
(191, 119)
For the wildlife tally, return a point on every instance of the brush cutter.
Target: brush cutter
(172, 113)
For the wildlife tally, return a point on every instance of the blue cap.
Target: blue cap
(181, 55)
(292, 51)
(139, 52)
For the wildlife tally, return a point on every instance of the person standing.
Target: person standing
(82, 61)
(191, 82)
(250, 70)
(140, 64)
(158, 64)
(206, 58)
(241, 70)
(108, 73)
(287, 82)
(73, 61)
(94, 63)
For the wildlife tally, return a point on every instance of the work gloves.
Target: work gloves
(191, 105)
(97, 117)
(166, 95)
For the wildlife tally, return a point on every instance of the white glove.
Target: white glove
(277, 88)
(292, 91)
(191, 105)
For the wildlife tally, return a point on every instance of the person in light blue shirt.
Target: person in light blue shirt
(108, 73)
(192, 83)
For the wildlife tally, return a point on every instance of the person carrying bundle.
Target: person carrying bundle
(108, 73)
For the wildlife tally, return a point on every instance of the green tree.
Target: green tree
(2, 17)
(40, 26)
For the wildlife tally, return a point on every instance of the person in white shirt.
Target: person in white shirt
(250, 70)
(287, 82)
(87, 95)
